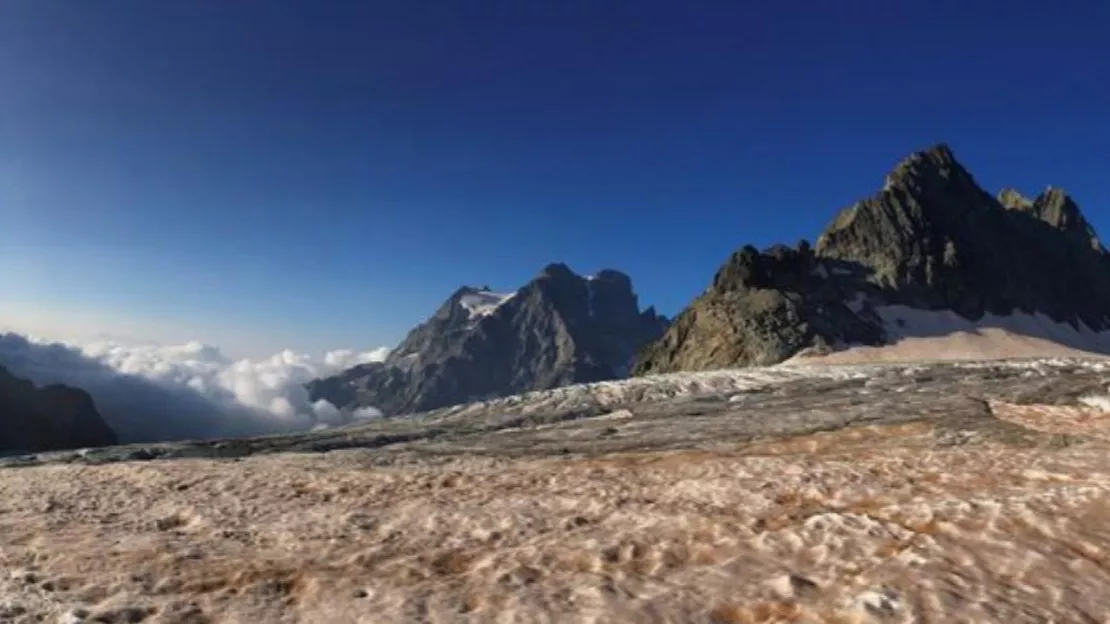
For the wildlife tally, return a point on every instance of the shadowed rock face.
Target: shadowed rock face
(558, 329)
(50, 418)
(1057, 209)
(930, 239)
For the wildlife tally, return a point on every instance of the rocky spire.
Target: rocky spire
(1057, 209)
(931, 238)
(1013, 200)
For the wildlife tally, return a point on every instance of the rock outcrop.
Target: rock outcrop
(53, 417)
(931, 239)
(559, 329)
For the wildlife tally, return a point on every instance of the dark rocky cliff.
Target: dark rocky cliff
(558, 329)
(53, 417)
(930, 239)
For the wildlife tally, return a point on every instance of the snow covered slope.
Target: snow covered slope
(914, 335)
(483, 302)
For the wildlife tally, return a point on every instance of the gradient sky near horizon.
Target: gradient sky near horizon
(264, 174)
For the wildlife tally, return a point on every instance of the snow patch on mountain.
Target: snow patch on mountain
(903, 322)
(914, 334)
(483, 302)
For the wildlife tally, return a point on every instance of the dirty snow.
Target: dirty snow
(984, 535)
(864, 524)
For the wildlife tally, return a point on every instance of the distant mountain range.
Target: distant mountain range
(930, 242)
(558, 329)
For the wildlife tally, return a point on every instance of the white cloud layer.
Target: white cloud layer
(155, 392)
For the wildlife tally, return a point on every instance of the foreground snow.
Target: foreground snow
(883, 535)
(797, 493)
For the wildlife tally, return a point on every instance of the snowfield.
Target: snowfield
(973, 491)
(915, 335)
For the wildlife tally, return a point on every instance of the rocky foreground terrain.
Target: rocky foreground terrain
(975, 491)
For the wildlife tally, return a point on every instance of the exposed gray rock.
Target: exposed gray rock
(558, 329)
(54, 417)
(715, 409)
(1057, 209)
(930, 239)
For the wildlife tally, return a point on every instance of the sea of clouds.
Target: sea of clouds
(148, 392)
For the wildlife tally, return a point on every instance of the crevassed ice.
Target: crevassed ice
(725, 381)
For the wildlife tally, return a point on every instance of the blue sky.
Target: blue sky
(268, 174)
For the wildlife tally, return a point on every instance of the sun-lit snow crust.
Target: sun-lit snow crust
(877, 522)
(483, 302)
(618, 393)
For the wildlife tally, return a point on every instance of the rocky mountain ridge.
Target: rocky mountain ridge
(559, 328)
(931, 239)
(54, 417)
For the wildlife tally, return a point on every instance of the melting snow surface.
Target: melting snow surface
(905, 322)
(914, 334)
(483, 303)
(735, 382)
(657, 387)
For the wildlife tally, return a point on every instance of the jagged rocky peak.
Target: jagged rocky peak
(931, 239)
(918, 225)
(1014, 200)
(1056, 208)
(936, 180)
(607, 296)
(481, 302)
(611, 294)
(558, 282)
(612, 276)
(928, 167)
(779, 266)
(938, 156)
(557, 329)
(557, 271)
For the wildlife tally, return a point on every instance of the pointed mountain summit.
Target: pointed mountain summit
(1057, 209)
(930, 240)
(558, 329)
(1011, 199)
